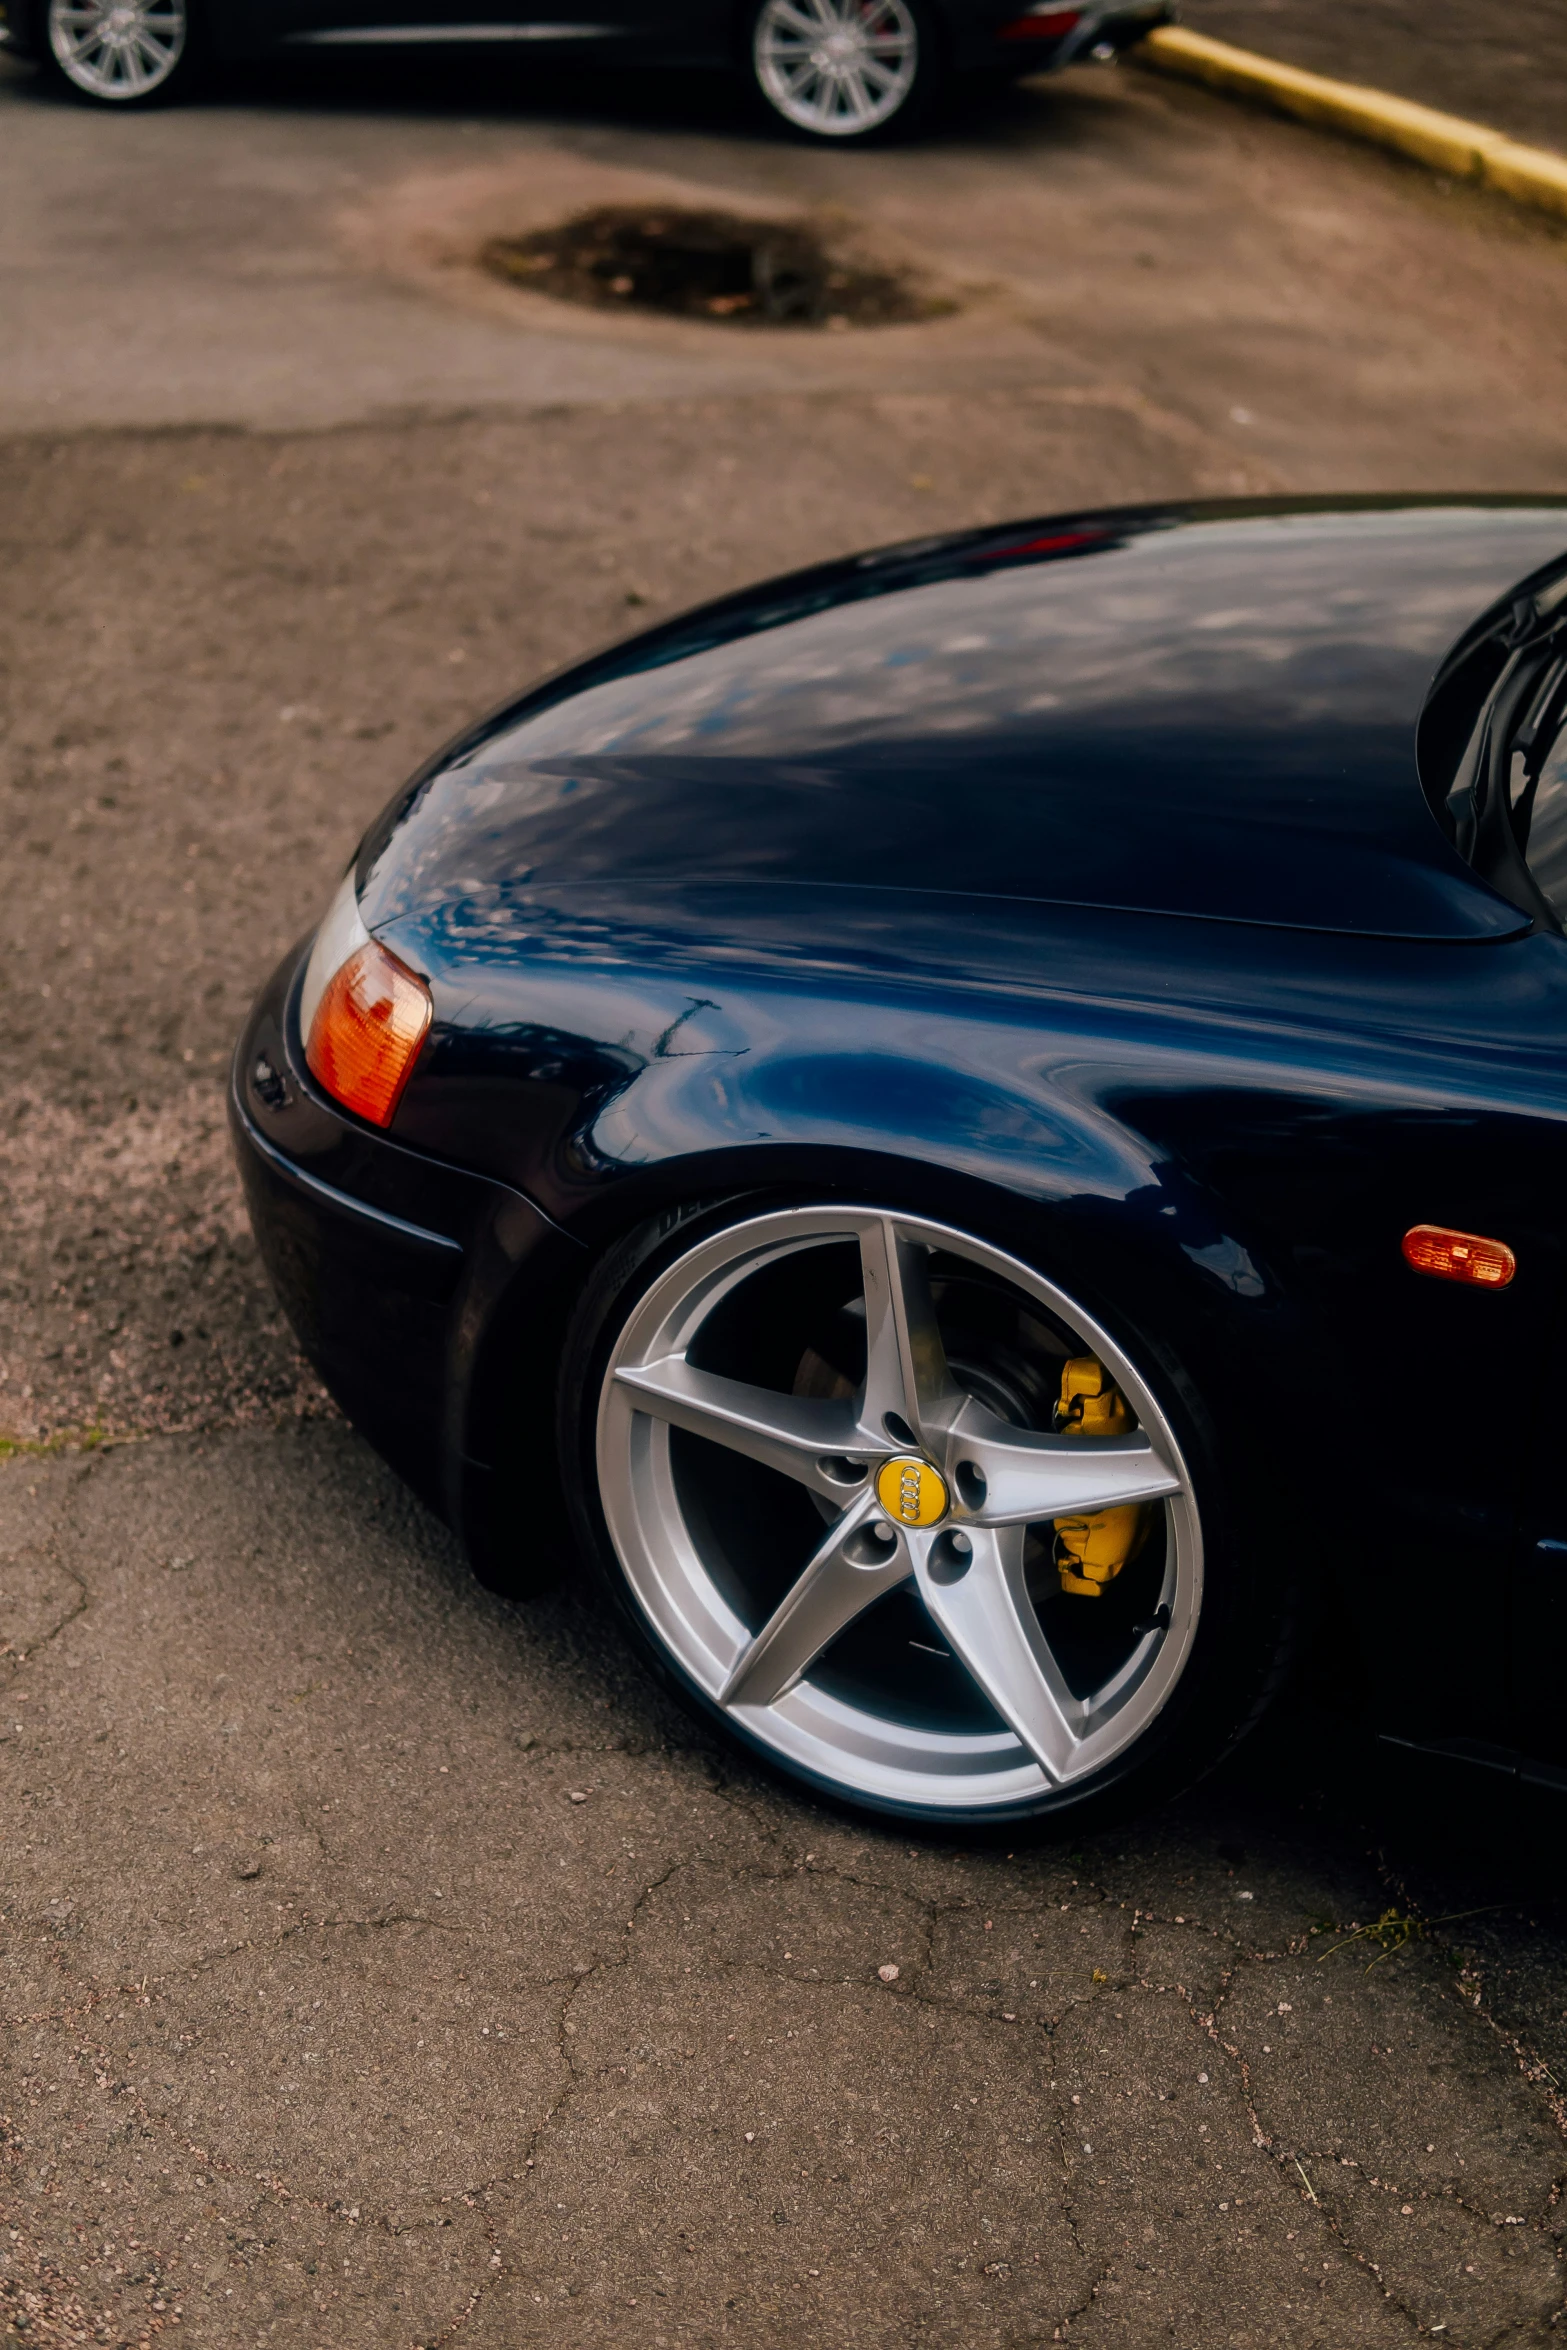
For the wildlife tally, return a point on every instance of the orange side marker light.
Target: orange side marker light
(1459, 1256)
(365, 1037)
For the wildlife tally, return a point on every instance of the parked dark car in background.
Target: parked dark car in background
(830, 69)
(991, 1117)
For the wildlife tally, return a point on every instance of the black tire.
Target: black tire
(917, 105)
(91, 81)
(1238, 1656)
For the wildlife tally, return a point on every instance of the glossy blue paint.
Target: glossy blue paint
(1074, 880)
(1159, 713)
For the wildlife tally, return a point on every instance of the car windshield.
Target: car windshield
(1506, 805)
(1540, 820)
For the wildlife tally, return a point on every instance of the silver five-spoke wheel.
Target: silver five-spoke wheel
(827, 1467)
(118, 51)
(836, 68)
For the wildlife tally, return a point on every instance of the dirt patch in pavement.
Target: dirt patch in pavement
(727, 266)
(571, 247)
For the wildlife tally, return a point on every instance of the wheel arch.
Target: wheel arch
(1140, 1269)
(944, 16)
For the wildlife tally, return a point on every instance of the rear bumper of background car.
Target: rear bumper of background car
(1043, 35)
(389, 1265)
(20, 29)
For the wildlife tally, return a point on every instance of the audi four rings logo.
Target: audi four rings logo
(911, 1491)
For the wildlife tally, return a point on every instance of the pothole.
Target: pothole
(711, 265)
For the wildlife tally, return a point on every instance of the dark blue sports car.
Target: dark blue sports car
(987, 1126)
(845, 70)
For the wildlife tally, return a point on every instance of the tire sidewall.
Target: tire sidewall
(1244, 1627)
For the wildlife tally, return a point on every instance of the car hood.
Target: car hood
(1203, 712)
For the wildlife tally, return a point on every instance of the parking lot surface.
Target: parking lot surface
(1506, 66)
(383, 1964)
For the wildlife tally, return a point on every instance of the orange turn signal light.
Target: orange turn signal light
(366, 1034)
(1459, 1256)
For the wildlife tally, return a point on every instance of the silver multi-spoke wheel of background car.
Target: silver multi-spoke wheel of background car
(837, 68)
(118, 50)
(826, 1464)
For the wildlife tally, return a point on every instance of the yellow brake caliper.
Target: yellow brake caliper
(1090, 1551)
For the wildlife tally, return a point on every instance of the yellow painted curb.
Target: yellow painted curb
(1464, 150)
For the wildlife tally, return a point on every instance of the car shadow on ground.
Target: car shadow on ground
(464, 86)
(1468, 1858)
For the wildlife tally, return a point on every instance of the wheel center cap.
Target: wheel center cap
(910, 1491)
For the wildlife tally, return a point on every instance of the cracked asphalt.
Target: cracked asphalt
(385, 1965)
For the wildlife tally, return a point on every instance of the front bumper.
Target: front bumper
(390, 1266)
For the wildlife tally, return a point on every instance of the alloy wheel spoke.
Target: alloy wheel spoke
(838, 67)
(118, 52)
(906, 1371)
(987, 1618)
(849, 1570)
(752, 1615)
(793, 1433)
(1019, 1477)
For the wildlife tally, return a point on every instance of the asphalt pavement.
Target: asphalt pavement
(385, 1965)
